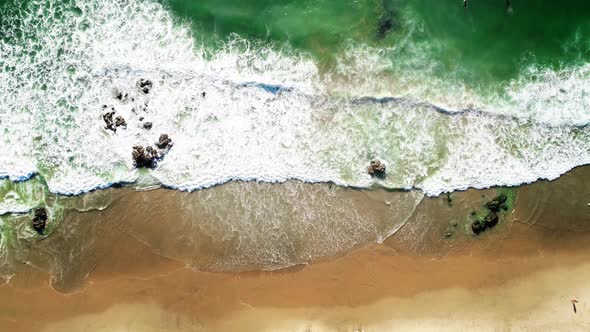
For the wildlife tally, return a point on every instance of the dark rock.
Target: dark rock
(478, 226)
(164, 142)
(108, 120)
(119, 121)
(147, 125)
(376, 169)
(449, 200)
(491, 219)
(141, 118)
(119, 96)
(385, 26)
(496, 204)
(203, 94)
(145, 85)
(145, 157)
(40, 220)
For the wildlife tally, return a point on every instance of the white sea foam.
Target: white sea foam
(54, 84)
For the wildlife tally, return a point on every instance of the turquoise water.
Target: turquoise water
(484, 43)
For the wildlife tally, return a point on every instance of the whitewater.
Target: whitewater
(248, 111)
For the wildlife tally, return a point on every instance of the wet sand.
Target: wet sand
(519, 276)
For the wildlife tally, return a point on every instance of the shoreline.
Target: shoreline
(528, 266)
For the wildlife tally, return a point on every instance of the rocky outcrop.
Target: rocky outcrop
(376, 169)
(164, 142)
(40, 220)
(492, 217)
(145, 157)
(148, 156)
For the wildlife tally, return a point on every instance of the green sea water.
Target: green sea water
(484, 44)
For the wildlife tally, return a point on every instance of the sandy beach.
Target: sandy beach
(519, 276)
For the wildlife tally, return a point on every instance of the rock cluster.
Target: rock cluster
(492, 218)
(145, 157)
(148, 156)
(376, 169)
(40, 220)
(111, 124)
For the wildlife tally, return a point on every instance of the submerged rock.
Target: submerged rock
(40, 220)
(376, 169)
(385, 26)
(164, 142)
(145, 157)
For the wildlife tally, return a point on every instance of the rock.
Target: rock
(376, 169)
(164, 142)
(145, 85)
(385, 26)
(203, 94)
(448, 234)
(147, 125)
(491, 219)
(40, 220)
(478, 226)
(496, 204)
(449, 200)
(144, 157)
(108, 120)
(119, 121)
